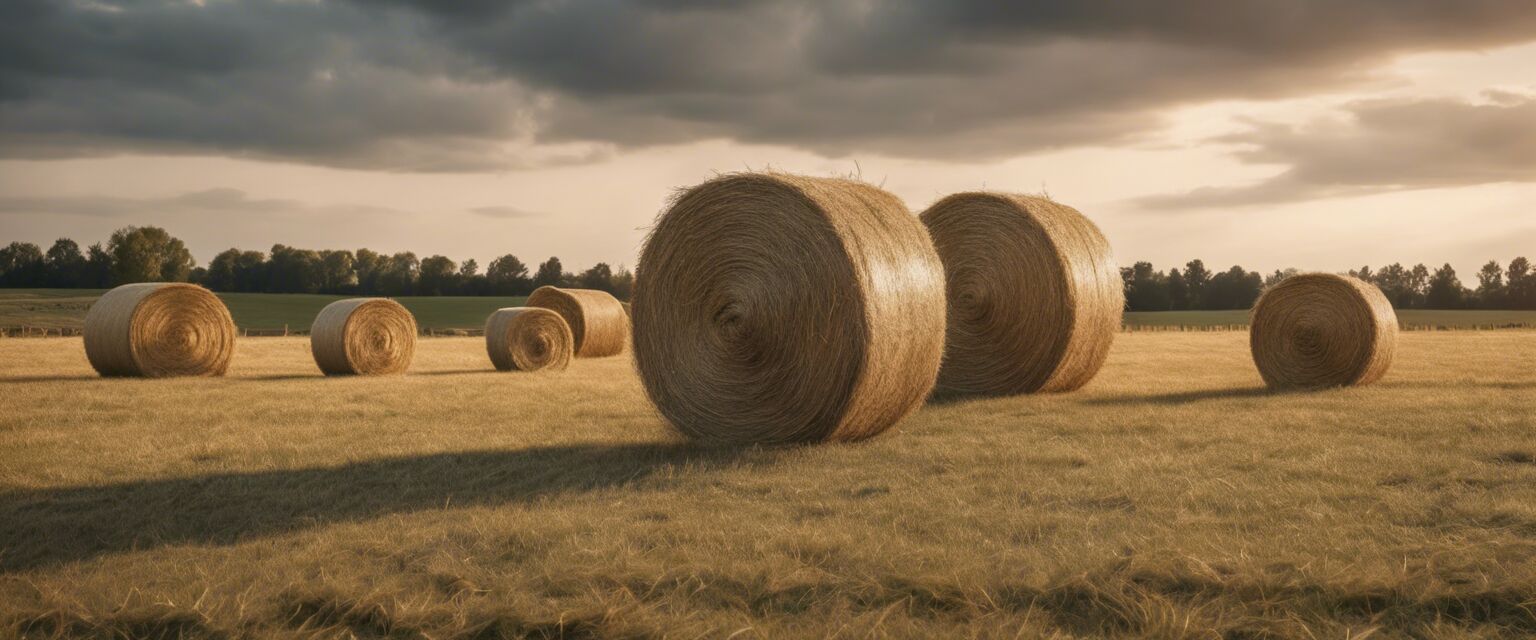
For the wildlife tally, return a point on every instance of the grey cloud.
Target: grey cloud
(503, 212)
(222, 200)
(411, 85)
(1382, 145)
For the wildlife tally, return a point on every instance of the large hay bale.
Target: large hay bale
(1035, 297)
(1320, 330)
(363, 336)
(528, 339)
(772, 308)
(597, 319)
(159, 329)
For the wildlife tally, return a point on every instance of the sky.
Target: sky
(1316, 134)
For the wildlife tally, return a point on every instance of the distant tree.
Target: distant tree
(508, 276)
(1178, 290)
(1363, 273)
(1148, 289)
(1490, 286)
(368, 265)
(1279, 276)
(1446, 290)
(398, 275)
(251, 272)
(623, 283)
(1405, 288)
(1235, 288)
(338, 271)
(1520, 284)
(65, 264)
(471, 282)
(599, 277)
(148, 254)
(222, 271)
(21, 265)
(549, 273)
(98, 268)
(291, 270)
(1418, 283)
(1196, 277)
(1128, 283)
(438, 276)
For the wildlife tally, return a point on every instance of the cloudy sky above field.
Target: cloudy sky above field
(1321, 134)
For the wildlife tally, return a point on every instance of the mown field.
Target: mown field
(56, 308)
(1171, 498)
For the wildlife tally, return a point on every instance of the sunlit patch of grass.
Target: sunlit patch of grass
(1173, 497)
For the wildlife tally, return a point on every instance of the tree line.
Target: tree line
(150, 254)
(1197, 288)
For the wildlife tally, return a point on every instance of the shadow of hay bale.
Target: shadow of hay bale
(42, 527)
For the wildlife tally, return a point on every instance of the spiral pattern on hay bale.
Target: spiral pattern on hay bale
(363, 336)
(1320, 330)
(159, 329)
(1035, 297)
(528, 339)
(598, 323)
(772, 308)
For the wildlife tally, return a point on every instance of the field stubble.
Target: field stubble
(1172, 497)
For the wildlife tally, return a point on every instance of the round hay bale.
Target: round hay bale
(598, 323)
(159, 329)
(772, 308)
(363, 336)
(1320, 330)
(528, 339)
(1035, 297)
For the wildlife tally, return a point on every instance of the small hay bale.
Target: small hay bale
(1035, 297)
(528, 339)
(159, 329)
(363, 336)
(598, 323)
(1320, 330)
(773, 308)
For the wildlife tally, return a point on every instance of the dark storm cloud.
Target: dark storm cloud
(1382, 145)
(421, 86)
(220, 200)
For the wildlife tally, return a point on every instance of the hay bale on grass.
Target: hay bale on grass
(1320, 330)
(1035, 297)
(598, 323)
(772, 308)
(528, 339)
(363, 336)
(158, 329)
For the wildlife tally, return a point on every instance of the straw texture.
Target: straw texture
(772, 308)
(363, 336)
(1035, 297)
(528, 339)
(598, 323)
(158, 329)
(1319, 330)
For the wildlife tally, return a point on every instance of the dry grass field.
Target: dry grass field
(1171, 498)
